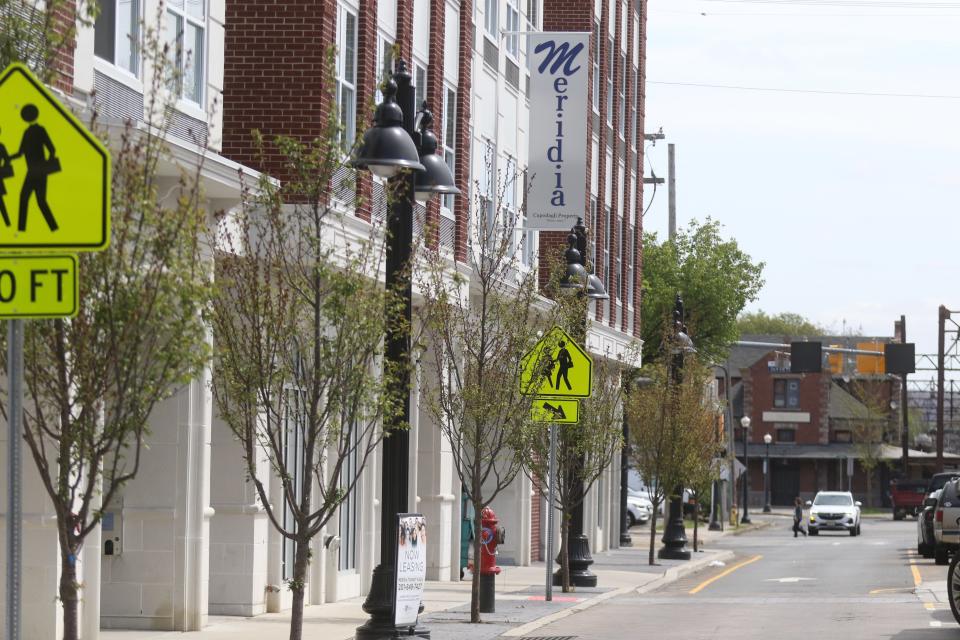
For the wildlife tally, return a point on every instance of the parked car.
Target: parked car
(937, 480)
(834, 511)
(906, 497)
(946, 522)
(925, 537)
(639, 509)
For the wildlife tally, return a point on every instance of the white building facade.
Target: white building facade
(188, 535)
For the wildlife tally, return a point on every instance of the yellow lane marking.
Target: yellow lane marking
(929, 606)
(916, 573)
(890, 590)
(703, 585)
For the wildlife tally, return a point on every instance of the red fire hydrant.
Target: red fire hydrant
(490, 536)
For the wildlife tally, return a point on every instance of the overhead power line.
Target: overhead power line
(871, 94)
(870, 4)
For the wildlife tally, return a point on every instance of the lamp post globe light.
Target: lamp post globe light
(674, 536)
(767, 439)
(745, 423)
(580, 280)
(395, 149)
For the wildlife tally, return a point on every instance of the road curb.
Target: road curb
(670, 575)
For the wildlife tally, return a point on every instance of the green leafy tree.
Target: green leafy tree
(299, 318)
(479, 325)
(93, 380)
(717, 279)
(779, 324)
(671, 433)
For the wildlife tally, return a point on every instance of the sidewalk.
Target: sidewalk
(521, 606)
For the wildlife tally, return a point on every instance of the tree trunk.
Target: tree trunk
(696, 523)
(565, 552)
(653, 531)
(69, 597)
(299, 587)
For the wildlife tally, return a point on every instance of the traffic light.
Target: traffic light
(806, 357)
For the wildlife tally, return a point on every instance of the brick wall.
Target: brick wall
(64, 19)
(462, 168)
(536, 550)
(275, 75)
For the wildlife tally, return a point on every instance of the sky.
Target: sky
(852, 201)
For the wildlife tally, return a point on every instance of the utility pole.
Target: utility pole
(672, 188)
(900, 328)
(941, 330)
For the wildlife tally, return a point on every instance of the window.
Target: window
(385, 67)
(786, 393)
(623, 95)
(592, 246)
(449, 140)
(596, 67)
(116, 34)
(420, 83)
(786, 435)
(843, 436)
(488, 220)
(348, 508)
(610, 95)
(347, 72)
(184, 32)
(533, 15)
(294, 410)
(490, 19)
(513, 24)
(510, 201)
(633, 107)
(607, 224)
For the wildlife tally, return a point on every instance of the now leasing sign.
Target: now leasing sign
(559, 63)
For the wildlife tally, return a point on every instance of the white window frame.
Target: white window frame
(487, 221)
(384, 62)
(610, 67)
(294, 411)
(533, 15)
(129, 32)
(419, 83)
(349, 516)
(198, 60)
(508, 209)
(596, 67)
(513, 24)
(491, 20)
(347, 86)
(449, 142)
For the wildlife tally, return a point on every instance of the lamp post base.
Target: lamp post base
(766, 508)
(625, 539)
(746, 519)
(379, 604)
(674, 535)
(715, 508)
(580, 561)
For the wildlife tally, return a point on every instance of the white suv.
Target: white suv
(834, 511)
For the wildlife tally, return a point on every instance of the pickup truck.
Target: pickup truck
(907, 496)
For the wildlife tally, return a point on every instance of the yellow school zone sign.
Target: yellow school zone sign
(54, 174)
(38, 286)
(555, 410)
(556, 367)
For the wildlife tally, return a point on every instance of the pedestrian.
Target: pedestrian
(38, 150)
(798, 517)
(6, 171)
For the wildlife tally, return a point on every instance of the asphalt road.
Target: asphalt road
(830, 586)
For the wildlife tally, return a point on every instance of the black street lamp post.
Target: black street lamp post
(396, 150)
(579, 279)
(715, 500)
(624, 470)
(674, 536)
(745, 423)
(767, 439)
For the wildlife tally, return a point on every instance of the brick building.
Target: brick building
(831, 431)
(194, 540)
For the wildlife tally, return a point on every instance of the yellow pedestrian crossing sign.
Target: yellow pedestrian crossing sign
(54, 174)
(556, 366)
(555, 410)
(38, 286)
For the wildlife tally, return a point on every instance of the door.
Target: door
(784, 482)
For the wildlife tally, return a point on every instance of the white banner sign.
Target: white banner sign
(559, 63)
(411, 568)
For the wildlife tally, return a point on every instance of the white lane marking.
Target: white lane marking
(936, 623)
(790, 579)
(836, 544)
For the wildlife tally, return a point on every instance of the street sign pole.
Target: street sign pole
(552, 479)
(14, 420)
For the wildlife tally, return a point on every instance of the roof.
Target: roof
(843, 405)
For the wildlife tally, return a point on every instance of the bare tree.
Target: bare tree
(479, 325)
(299, 318)
(584, 451)
(92, 380)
